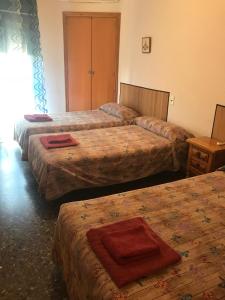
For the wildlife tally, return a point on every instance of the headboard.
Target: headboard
(146, 101)
(218, 130)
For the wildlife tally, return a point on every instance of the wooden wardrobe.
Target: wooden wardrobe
(91, 47)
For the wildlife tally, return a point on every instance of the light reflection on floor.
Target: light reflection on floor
(26, 232)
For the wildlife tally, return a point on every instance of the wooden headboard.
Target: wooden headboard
(218, 131)
(146, 101)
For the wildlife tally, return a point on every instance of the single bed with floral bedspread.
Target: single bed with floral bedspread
(103, 157)
(188, 214)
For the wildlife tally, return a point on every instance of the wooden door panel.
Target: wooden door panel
(77, 34)
(105, 37)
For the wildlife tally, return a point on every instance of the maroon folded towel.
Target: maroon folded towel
(38, 118)
(58, 141)
(123, 274)
(130, 244)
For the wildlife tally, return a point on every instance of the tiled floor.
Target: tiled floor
(27, 228)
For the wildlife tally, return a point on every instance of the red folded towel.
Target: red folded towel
(123, 274)
(130, 244)
(38, 118)
(58, 141)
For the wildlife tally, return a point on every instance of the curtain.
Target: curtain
(21, 62)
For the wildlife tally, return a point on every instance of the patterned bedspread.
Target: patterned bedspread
(70, 121)
(104, 157)
(188, 214)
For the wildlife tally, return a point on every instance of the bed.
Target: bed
(188, 214)
(108, 156)
(108, 115)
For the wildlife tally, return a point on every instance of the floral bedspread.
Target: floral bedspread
(188, 214)
(104, 157)
(70, 121)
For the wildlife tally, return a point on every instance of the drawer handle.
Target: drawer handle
(204, 156)
(201, 155)
(197, 154)
(197, 166)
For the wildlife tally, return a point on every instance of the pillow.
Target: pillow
(120, 111)
(168, 130)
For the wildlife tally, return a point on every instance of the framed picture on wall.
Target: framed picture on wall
(146, 44)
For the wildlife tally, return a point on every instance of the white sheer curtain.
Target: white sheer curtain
(16, 90)
(21, 64)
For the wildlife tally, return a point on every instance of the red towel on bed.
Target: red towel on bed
(123, 274)
(130, 244)
(59, 138)
(38, 118)
(58, 141)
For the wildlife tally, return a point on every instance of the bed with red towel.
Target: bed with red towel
(187, 216)
(104, 156)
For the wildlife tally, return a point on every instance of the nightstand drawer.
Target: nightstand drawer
(193, 172)
(198, 165)
(199, 154)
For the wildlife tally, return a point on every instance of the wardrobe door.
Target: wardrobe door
(105, 48)
(77, 35)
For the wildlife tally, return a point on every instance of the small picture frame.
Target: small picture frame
(146, 44)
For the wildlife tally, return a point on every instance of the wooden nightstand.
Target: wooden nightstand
(204, 156)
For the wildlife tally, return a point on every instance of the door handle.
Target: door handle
(91, 72)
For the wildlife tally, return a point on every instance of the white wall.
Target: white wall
(51, 29)
(187, 59)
